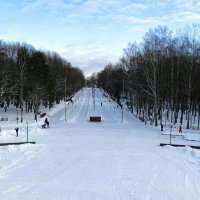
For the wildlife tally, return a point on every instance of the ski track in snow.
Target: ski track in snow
(110, 160)
(151, 185)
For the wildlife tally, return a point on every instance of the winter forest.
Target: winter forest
(159, 77)
(30, 77)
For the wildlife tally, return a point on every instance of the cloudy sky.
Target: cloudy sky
(90, 33)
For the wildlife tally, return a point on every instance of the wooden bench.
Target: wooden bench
(3, 119)
(16, 143)
(95, 119)
(180, 145)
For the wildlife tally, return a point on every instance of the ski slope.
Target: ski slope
(117, 159)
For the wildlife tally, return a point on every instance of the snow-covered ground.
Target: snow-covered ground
(117, 159)
(192, 135)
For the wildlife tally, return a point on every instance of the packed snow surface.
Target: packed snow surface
(116, 159)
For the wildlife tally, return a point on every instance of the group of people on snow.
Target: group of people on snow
(45, 125)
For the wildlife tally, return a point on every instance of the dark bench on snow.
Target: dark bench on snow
(42, 115)
(16, 143)
(3, 119)
(180, 145)
(95, 119)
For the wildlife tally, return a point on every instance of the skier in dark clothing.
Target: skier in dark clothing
(17, 129)
(180, 129)
(47, 122)
(161, 126)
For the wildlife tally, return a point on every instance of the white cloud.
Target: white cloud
(111, 9)
(33, 5)
(90, 63)
(125, 16)
(187, 5)
(133, 7)
(47, 5)
(193, 17)
(91, 56)
(142, 21)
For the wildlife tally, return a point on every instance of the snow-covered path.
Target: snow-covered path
(100, 161)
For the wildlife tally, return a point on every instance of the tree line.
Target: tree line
(30, 77)
(159, 77)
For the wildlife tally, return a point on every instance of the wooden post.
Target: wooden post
(27, 131)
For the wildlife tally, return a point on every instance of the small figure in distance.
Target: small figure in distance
(101, 104)
(180, 129)
(17, 129)
(161, 126)
(47, 122)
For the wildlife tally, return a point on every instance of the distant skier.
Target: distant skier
(180, 129)
(161, 126)
(101, 103)
(47, 122)
(17, 129)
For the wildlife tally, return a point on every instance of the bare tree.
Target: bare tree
(22, 62)
(6, 86)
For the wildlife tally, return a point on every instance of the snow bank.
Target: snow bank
(15, 156)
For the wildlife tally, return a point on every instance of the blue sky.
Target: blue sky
(90, 33)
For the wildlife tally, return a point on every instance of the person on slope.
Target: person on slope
(46, 121)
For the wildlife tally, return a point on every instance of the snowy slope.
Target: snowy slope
(111, 160)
